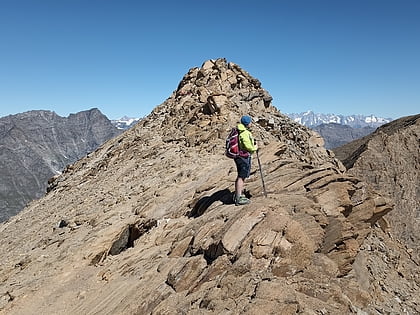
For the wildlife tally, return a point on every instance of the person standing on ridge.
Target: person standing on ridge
(247, 146)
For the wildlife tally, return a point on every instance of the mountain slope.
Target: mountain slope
(388, 159)
(145, 224)
(336, 135)
(37, 145)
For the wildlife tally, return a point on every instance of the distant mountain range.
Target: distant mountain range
(338, 130)
(311, 119)
(308, 119)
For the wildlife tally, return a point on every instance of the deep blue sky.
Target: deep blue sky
(125, 57)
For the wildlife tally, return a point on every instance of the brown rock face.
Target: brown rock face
(389, 160)
(146, 224)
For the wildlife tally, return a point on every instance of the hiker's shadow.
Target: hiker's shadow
(225, 196)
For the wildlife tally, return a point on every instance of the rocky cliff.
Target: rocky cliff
(146, 225)
(37, 145)
(389, 159)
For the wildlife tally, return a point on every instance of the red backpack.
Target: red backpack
(232, 144)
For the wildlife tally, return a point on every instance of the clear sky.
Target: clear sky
(125, 57)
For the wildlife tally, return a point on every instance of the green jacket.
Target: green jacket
(246, 141)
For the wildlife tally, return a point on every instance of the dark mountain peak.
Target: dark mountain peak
(37, 145)
(93, 112)
(32, 114)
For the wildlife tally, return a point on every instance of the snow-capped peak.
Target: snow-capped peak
(311, 119)
(125, 122)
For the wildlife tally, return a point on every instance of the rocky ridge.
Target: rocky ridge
(145, 224)
(389, 159)
(37, 145)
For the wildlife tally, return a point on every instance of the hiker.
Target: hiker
(247, 146)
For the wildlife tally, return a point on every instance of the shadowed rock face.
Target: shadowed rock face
(145, 223)
(37, 145)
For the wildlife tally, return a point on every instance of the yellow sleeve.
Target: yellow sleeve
(247, 141)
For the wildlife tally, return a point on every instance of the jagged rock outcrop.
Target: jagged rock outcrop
(37, 145)
(389, 160)
(146, 225)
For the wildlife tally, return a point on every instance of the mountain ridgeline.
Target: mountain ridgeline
(146, 225)
(37, 145)
(389, 159)
(311, 119)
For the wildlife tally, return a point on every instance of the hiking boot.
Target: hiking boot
(242, 200)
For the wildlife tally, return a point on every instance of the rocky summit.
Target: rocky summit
(146, 224)
(37, 145)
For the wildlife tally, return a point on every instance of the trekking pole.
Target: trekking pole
(262, 177)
